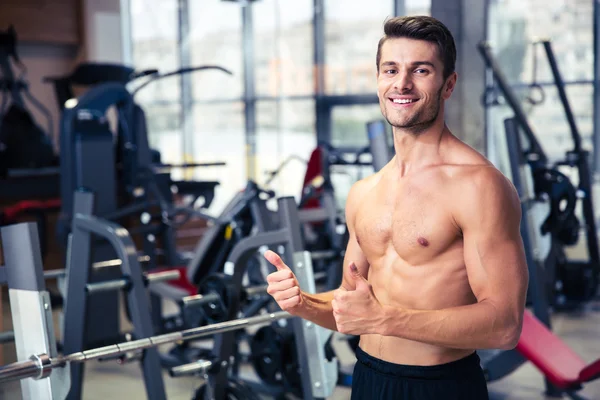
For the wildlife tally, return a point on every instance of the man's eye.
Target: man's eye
(421, 71)
(390, 71)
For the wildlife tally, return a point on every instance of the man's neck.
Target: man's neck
(417, 150)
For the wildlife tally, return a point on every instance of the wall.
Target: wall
(465, 114)
(53, 37)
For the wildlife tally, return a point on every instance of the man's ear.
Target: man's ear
(449, 85)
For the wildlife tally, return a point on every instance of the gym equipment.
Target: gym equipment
(499, 363)
(23, 144)
(76, 327)
(86, 142)
(318, 374)
(580, 279)
(570, 283)
(247, 215)
(378, 144)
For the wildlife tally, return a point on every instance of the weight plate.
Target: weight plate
(235, 390)
(219, 284)
(275, 359)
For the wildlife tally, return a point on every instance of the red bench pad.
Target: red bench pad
(181, 283)
(557, 361)
(590, 372)
(13, 211)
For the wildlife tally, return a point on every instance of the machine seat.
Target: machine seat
(553, 357)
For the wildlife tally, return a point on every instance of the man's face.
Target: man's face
(410, 83)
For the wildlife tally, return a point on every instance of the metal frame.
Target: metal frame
(308, 340)
(85, 230)
(249, 89)
(30, 305)
(185, 80)
(596, 82)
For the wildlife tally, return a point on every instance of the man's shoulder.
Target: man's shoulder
(479, 176)
(479, 188)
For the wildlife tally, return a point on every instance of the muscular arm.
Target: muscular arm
(318, 306)
(489, 217)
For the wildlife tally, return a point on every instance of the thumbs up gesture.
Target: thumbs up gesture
(283, 285)
(356, 309)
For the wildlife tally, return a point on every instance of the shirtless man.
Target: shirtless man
(435, 266)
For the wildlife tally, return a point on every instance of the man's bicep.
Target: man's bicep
(354, 253)
(496, 267)
(493, 247)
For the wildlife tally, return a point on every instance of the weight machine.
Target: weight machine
(50, 371)
(569, 283)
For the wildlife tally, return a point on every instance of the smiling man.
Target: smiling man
(435, 267)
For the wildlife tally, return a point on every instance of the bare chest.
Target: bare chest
(414, 223)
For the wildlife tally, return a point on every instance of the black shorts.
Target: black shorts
(374, 379)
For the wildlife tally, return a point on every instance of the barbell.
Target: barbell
(41, 365)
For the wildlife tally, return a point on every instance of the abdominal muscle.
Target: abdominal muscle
(438, 285)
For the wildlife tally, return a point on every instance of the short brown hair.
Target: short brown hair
(422, 28)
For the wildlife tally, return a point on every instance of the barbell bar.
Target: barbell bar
(40, 365)
(61, 272)
(123, 283)
(198, 300)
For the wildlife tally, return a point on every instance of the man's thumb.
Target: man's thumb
(274, 259)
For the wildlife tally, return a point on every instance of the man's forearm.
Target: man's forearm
(318, 309)
(476, 326)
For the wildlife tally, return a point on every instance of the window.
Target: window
(514, 24)
(417, 7)
(548, 122)
(216, 39)
(285, 133)
(218, 136)
(349, 124)
(283, 47)
(352, 31)
(154, 27)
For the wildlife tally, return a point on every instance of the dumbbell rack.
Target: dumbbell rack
(34, 333)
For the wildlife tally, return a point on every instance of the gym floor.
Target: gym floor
(110, 380)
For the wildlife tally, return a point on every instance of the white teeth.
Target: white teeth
(403, 101)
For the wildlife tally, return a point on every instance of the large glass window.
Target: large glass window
(352, 31)
(154, 27)
(349, 124)
(215, 38)
(417, 7)
(548, 121)
(515, 24)
(283, 47)
(514, 27)
(219, 137)
(285, 134)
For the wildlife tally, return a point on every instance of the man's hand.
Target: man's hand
(283, 285)
(356, 309)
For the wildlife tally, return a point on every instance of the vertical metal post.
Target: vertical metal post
(399, 8)
(596, 124)
(137, 299)
(78, 275)
(185, 80)
(322, 108)
(126, 33)
(249, 90)
(319, 374)
(30, 306)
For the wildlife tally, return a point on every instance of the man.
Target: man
(435, 266)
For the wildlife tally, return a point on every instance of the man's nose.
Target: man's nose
(403, 82)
